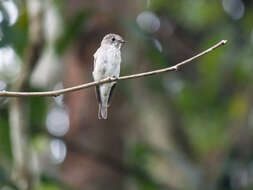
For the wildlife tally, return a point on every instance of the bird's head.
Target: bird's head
(114, 40)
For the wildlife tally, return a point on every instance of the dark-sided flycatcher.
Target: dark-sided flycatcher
(107, 61)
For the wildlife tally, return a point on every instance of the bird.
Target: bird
(107, 60)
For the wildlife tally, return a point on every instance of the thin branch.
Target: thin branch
(107, 80)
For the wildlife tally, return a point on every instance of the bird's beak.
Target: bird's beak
(122, 41)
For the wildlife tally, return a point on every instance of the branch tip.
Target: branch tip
(224, 42)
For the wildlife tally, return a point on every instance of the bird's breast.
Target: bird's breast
(107, 63)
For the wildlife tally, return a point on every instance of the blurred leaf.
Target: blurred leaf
(209, 66)
(199, 14)
(207, 133)
(72, 30)
(157, 58)
(5, 147)
(5, 181)
(144, 185)
(48, 187)
(17, 35)
(38, 112)
(41, 142)
(242, 71)
(3, 177)
(53, 183)
(195, 15)
(247, 21)
(238, 106)
(138, 155)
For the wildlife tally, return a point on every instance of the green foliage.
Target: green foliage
(213, 104)
(5, 137)
(208, 136)
(17, 35)
(37, 116)
(48, 187)
(72, 30)
(138, 154)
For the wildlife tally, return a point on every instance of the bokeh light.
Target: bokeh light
(189, 129)
(12, 11)
(234, 8)
(3, 85)
(158, 45)
(148, 21)
(57, 121)
(58, 150)
(10, 63)
(1, 17)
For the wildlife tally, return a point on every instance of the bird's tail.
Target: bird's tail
(102, 112)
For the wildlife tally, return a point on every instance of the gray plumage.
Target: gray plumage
(107, 61)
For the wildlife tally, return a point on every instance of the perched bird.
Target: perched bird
(107, 61)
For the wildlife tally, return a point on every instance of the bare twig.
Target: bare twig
(107, 80)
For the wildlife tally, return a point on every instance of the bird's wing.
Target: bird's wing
(97, 90)
(95, 57)
(117, 73)
(111, 92)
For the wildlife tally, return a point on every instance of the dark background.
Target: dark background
(190, 129)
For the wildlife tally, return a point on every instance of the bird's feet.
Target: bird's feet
(113, 78)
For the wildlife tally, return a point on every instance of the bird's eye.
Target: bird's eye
(113, 39)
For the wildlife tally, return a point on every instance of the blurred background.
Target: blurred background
(187, 130)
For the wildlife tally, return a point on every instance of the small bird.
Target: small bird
(107, 61)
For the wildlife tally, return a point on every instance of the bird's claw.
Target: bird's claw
(113, 78)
